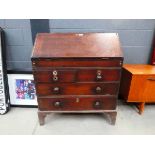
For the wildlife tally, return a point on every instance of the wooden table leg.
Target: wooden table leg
(41, 116)
(111, 117)
(141, 107)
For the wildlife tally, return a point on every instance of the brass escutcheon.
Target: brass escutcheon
(55, 78)
(55, 72)
(77, 100)
(99, 72)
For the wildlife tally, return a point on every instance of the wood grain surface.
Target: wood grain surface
(73, 45)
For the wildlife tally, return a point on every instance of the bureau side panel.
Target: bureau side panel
(125, 84)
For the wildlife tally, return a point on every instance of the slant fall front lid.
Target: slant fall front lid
(76, 45)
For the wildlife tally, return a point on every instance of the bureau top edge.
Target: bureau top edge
(76, 58)
(77, 45)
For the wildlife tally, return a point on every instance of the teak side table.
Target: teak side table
(138, 84)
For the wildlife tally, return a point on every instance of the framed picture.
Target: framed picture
(22, 90)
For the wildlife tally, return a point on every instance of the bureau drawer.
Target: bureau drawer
(79, 75)
(55, 76)
(77, 89)
(77, 103)
(102, 62)
(98, 75)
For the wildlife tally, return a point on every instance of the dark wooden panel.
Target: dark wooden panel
(77, 89)
(71, 104)
(78, 75)
(125, 84)
(76, 62)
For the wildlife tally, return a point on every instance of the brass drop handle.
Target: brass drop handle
(98, 89)
(55, 75)
(57, 104)
(56, 90)
(97, 105)
(99, 75)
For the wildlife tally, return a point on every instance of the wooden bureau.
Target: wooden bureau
(138, 84)
(77, 73)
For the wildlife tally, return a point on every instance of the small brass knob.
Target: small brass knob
(57, 104)
(56, 90)
(97, 105)
(98, 77)
(98, 89)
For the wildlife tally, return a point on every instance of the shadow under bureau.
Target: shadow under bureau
(77, 73)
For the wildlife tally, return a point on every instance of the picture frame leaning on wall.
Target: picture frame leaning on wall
(22, 89)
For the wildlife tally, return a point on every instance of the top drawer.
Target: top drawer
(77, 75)
(103, 62)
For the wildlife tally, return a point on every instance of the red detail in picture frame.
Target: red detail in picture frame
(153, 55)
(153, 58)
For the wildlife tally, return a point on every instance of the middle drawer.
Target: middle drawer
(77, 89)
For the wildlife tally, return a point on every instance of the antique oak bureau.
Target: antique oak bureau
(77, 73)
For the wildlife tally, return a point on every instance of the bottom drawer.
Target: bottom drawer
(77, 103)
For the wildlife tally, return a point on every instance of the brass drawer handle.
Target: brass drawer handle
(55, 78)
(55, 75)
(151, 79)
(55, 72)
(97, 105)
(56, 90)
(98, 89)
(58, 104)
(99, 75)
